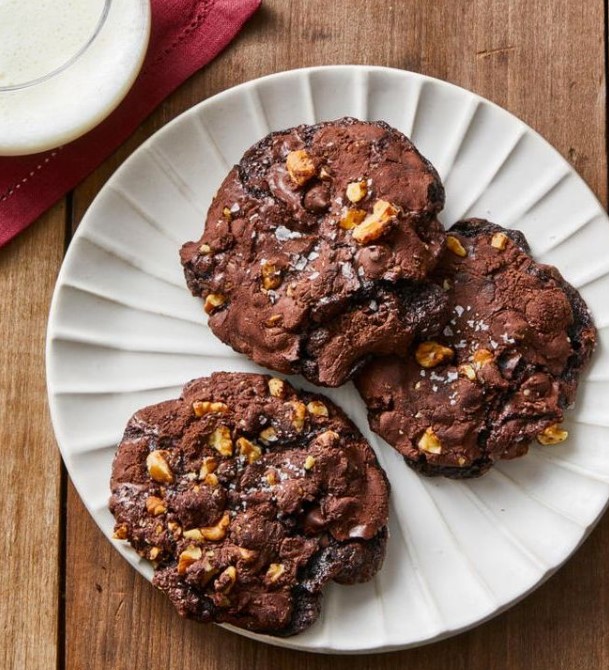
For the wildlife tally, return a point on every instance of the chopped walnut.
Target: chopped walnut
(189, 556)
(273, 321)
(499, 241)
(552, 435)
(299, 412)
(221, 441)
(429, 442)
(356, 191)
(482, 357)
(208, 466)
(120, 532)
(268, 435)
(154, 553)
(328, 438)
(226, 580)
(454, 244)
(300, 167)
(155, 506)
(274, 572)
(276, 387)
(376, 224)
(271, 477)
(158, 467)
(202, 407)
(431, 353)
(247, 555)
(211, 533)
(467, 370)
(309, 463)
(317, 408)
(271, 276)
(249, 450)
(213, 301)
(351, 218)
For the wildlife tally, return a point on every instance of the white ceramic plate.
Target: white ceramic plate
(124, 332)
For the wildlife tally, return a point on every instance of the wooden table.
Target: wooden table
(67, 599)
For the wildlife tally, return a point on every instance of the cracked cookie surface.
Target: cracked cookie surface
(249, 497)
(317, 248)
(501, 373)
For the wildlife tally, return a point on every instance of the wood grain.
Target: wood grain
(544, 60)
(30, 467)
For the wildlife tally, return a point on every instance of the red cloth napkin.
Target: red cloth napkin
(186, 34)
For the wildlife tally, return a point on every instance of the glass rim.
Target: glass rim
(70, 61)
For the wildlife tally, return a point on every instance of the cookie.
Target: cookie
(249, 496)
(502, 372)
(313, 247)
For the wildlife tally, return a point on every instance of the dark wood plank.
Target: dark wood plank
(544, 61)
(30, 468)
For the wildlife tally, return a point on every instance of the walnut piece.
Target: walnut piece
(482, 357)
(499, 241)
(431, 353)
(221, 441)
(217, 532)
(213, 301)
(211, 533)
(274, 572)
(271, 477)
(158, 467)
(429, 442)
(300, 167)
(271, 276)
(309, 463)
(155, 506)
(268, 435)
(328, 438)
(247, 555)
(356, 191)
(552, 435)
(299, 412)
(351, 218)
(376, 224)
(317, 408)
(467, 370)
(202, 407)
(226, 580)
(189, 556)
(454, 244)
(276, 387)
(248, 449)
(273, 321)
(120, 532)
(208, 466)
(205, 249)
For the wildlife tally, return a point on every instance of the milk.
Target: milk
(64, 66)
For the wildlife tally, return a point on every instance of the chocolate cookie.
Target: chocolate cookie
(248, 497)
(505, 368)
(317, 247)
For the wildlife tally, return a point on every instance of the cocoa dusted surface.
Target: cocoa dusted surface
(310, 507)
(539, 335)
(333, 302)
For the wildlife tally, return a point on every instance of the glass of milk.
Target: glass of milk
(64, 66)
